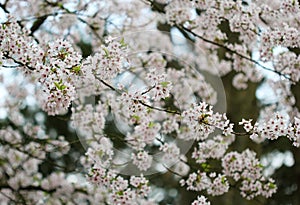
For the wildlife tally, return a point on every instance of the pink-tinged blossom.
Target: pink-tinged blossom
(142, 160)
(107, 63)
(141, 184)
(211, 149)
(179, 12)
(202, 121)
(246, 124)
(100, 153)
(275, 127)
(171, 153)
(89, 120)
(201, 200)
(197, 181)
(220, 185)
(160, 88)
(143, 134)
(247, 168)
(171, 124)
(119, 190)
(294, 132)
(131, 107)
(223, 36)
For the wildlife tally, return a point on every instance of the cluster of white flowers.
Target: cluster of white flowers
(223, 35)
(120, 190)
(179, 12)
(22, 170)
(86, 117)
(142, 160)
(141, 184)
(275, 127)
(160, 88)
(220, 185)
(202, 121)
(59, 65)
(143, 134)
(197, 181)
(131, 106)
(213, 184)
(54, 66)
(171, 153)
(247, 168)
(201, 200)
(107, 63)
(288, 63)
(212, 148)
(100, 152)
(284, 36)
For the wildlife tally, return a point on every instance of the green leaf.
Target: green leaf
(165, 84)
(106, 52)
(151, 124)
(223, 180)
(57, 85)
(260, 166)
(137, 118)
(100, 153)
(233, 159)
(272, 185)
(205, 167)
(122, 42)
(76, 69)
(198, 178)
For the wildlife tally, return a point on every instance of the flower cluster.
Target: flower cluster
(54, 66)
(143, 134)
(141, 184)
(160, 88)
(201, 200)
(144, 102)
(100, 152)
(86, 117)
(60, 64)
(21, 168)
(285, 36)
(131, 106)
(202, 121)
(212, 148)
(197, 181)
(142, 160)
(213, 184)
(107, 63)
(120, 190)
(288, 63)
(220, 185)
(171, 153)
(247, 168)
(179, 12)
(275, 127)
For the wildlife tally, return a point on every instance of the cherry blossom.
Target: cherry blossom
(96, 90)
(201, 200)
